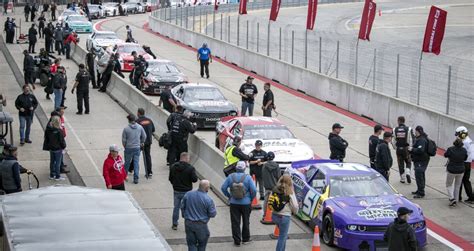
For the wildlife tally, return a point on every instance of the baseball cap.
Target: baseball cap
(114, 148)
(241, 165)
(387, 135)
(377, 128)
(403, 210)
(258, 143)
(250, 77)
(337, 125)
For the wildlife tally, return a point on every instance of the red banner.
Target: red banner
(275, 9)
(243, 7)
(368, 16)
(216, 5)
(434, 32)
(312, 9)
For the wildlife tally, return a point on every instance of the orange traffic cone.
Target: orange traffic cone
(255, 203)
(316, 243)
(267, 220)
(276, 233)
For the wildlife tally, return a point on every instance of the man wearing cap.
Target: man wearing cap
(256, 161)
(240, 208)
(420, 157)
(383, 156)
(10, 170)
(204, 58)
(374, 140)
(399, 234)
(337, 144)
(114, 171)
(248, 91)
(232, 155)
(133, 139)
(180, 128)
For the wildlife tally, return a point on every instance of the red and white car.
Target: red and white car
(125, 54)
(276, 137)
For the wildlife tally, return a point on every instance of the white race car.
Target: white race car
(68, 12)
(111, 9)
(102, 39)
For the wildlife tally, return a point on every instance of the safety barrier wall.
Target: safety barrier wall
(207, 159)
(361, 101)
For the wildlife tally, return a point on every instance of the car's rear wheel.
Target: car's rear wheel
(328, 230)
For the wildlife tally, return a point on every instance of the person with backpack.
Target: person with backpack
(456, 155)
(383, 156)
(283, 203)
(82, 84)
(468, 144)
(270, 175)
(240, 190)
(420, 154)
(402, 139)
(182, 175)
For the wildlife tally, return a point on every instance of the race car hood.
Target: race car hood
(108, 42)
(79, 23)
(216, 106)
(286, 150)
(165, 77)
(375, 210)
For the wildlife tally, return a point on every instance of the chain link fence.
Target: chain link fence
(441, 83)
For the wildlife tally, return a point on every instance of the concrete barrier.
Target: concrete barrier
(381, 108)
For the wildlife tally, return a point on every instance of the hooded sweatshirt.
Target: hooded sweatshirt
(133, 136)
(113, 171)
(271, 174)
(400, 236)
(182, 176)
(456, 156)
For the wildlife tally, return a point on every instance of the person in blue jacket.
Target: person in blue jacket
(240, 189)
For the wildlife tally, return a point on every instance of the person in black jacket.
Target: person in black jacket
(41, 25)
(28, 69)
(26, 104)
(49, 37)
(149, 128)
(107, 74)
(82, 84)
(374, 140)
(182, 176)
(181, 127)
(420, 157)
(383, 156)
(456, 155)
(27, 10)
(10, 171)
(54, 143)
(59, 86)
(147, 49)
(90, 66)
(117, 66)
(32, 39)
(337, 145)
(399, 234)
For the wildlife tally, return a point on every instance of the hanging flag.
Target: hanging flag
(275, 9)
(243, 7)
(434, 32)
(216, 5)
(312, 9)
(368, 16)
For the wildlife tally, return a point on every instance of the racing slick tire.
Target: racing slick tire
(328, 230)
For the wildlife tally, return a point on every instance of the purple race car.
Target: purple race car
(352, 204)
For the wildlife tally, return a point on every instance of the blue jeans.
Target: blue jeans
(55, 159)
(25, 126)
(58, 97)
(283, 223)
(178, 196)
(197, 235)
(132, 157)
(245, 106)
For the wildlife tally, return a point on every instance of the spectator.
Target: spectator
(59, 86)
(53, 70)
(268, 101)
(403, 139)
(204, 57)
(117, 66)
(374, 140)
(130, 38)
(282, 218)
(456, 155)
(182, 176)
(58, 37)
(90, 66)
(420, 157)
(133, 139)
(60, 113)
(248, 91)
(33, 11)
(32, 33)
(399, 234)
(180, 129)
(28, 69)
(27, 10)
(240, 190)
(271, 174)
(168, 100)
(463, 134)
(256, 161)
(53, 11)
(54, 143)
(383, 156)
(337, 144)
(49, 37)
(149, 128)
(10, 170)
(107, 74)
(26, 104)
(197, 208)
(41, 25)
(70, 38)
(82, 84)
(10, 30)
(232, 155)
(114, 171)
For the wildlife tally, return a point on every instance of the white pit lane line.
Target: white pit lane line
(443, 240)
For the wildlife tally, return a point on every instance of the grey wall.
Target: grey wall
(382, 108)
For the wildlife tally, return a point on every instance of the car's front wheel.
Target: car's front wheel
(328, 230)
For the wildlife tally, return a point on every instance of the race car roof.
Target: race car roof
(259, 121)
(105, 32)
(194, 85)
(335, 168)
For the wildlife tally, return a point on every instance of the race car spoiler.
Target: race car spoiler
(305, 163)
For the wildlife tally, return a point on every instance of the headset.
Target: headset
(461, 132)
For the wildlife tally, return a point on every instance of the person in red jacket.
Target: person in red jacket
(114, 172)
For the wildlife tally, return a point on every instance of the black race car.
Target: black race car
(159, 74)
(205, 101)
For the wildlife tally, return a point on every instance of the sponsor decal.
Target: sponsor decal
(297, 181)
(208, 103)
(212, 119)
(377, 213)
(371, 202)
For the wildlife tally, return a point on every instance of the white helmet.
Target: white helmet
(461, 129)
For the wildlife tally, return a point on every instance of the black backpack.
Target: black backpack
(165, 140)
(277, 201)
(431, 147)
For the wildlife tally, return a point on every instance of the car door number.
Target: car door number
(310, 202)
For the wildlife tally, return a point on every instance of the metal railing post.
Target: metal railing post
(320, 52)
(228, 29)
(258, 35)
(176, 17)
(238, 30)
(222, 20)
(247, 40)
(279, 53)
(448, 98)
(214, 24)
(419, 79)
(194, 17)
(337, 60)
(306, 48)
(205, 27)
(292, 46)
(397, 78)
(375, 69)
(187, 17)
(268, 39)
(200, 20)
